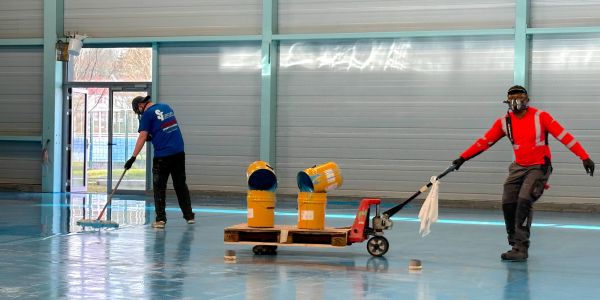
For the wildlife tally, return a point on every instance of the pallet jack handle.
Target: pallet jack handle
(392, 211)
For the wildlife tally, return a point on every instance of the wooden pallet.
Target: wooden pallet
(286, 235)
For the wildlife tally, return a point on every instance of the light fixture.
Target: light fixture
(75, 43)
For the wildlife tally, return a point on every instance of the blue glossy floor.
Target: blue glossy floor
(45, 255)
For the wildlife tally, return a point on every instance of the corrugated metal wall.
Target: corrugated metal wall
(215, 91)
(119, 18)
(21, 18)
(297, 16)
(21, 102)
(20, 166)
(21, 91)
(392, 113)
(555, 13)
(564, 82)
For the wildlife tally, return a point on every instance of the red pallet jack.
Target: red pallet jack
(378, 245)
(364, 228)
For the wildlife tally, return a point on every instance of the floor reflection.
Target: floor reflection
(517, 281)
(89, 206)
(168, 265)
(42, 259)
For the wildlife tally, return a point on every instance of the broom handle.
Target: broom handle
(111, 195)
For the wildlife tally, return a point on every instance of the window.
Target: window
(111, 65)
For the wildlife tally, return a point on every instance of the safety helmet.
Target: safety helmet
(514, 104)
(137, 101)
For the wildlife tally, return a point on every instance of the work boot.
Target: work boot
(515, 254)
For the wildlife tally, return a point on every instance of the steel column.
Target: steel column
(522, 43)
(52, 98)
(268, 95)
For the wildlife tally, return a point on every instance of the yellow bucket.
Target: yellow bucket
(261, 176)
(311, 210)
(323, 178)
(261, 208)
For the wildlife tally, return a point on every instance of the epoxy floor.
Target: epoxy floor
(46, 256)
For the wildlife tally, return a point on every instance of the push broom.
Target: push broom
(97, 223)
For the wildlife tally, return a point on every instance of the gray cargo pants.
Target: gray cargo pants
(523, 186)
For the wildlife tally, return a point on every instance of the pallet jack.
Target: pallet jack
(378, 245)
(364, 228)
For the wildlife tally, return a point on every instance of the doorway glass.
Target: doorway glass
(125, 125)
(103, 136)
(79, 141)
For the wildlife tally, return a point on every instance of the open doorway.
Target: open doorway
(102, 136)
(102, 128)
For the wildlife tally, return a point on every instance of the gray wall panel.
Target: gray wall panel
(215, 91)
(553, 13)
(21, 102)
(20, 165)
(564, 82)
(392, 113)
(296, 16)
(21, 19)
(21, 91)
(118, 18)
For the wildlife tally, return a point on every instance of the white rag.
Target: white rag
(429, 211)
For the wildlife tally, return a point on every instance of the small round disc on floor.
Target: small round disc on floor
(415, 264)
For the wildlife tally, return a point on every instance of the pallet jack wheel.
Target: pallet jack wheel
(264, 250)
(378, 246)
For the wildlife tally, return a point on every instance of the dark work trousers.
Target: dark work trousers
(162, 167)
(523, 186)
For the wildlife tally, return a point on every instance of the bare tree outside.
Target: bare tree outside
(112, 65)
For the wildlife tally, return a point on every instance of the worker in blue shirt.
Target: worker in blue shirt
(158, 124)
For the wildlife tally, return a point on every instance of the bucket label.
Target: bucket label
(330, 175)
(308, 215)
(250, 213)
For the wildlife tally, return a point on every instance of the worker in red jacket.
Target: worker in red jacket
(527, 129)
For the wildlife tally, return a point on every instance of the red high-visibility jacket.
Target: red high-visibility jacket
(530, 135)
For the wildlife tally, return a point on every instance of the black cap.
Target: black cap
(516, 89)
(139, 100)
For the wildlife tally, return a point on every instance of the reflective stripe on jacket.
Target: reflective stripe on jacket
(529, 134)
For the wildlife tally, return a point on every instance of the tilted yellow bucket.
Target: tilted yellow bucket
(261, 208)
(261, 176)
(322, 178)
(311, 210)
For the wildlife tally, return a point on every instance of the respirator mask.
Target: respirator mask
(517, 104)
